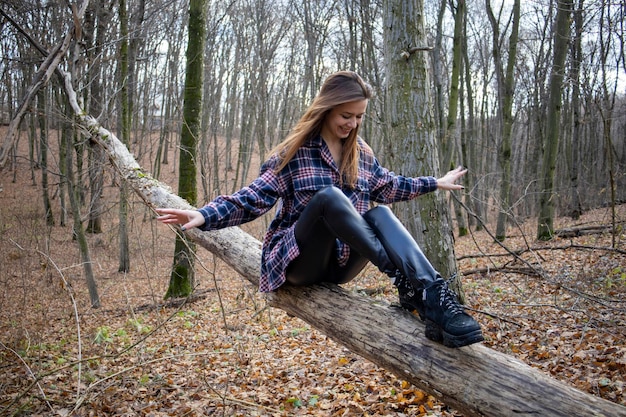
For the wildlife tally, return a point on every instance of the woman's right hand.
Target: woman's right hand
(186, 218)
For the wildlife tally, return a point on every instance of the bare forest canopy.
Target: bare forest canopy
(264, 60)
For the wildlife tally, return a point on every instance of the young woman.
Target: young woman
(324, 177)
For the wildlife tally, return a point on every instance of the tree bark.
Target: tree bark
(576, 204)
(124, 123)
(388, 336)
(412, 146)
(182, 276)
(77, 228)
(93, 31)
(43, 145)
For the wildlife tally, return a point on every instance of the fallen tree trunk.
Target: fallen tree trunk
(585, 230)
(475, 380)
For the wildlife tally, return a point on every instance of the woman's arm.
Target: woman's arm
(388, 187)
(230, 210)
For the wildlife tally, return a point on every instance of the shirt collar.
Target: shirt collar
(315, 141)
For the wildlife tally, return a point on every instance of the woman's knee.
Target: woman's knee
(331, 193)
(379, 211)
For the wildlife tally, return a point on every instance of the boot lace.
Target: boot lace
(447, 299)
(400, 281)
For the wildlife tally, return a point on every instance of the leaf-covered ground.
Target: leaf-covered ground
(560, 306)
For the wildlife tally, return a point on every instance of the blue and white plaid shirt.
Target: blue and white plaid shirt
(311, 169)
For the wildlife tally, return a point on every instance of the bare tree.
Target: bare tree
(94, 30)
(169, 83)
(315, 17)
(43, 145)
(182, 276)
(505, 78)
(450, 151)
(412, 149)
(577, 56)
(124, 122)
(607, 106)
(469, 137)
(545, 228)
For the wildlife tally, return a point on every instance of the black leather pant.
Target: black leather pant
(377, 236)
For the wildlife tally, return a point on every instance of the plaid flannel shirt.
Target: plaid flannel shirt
(311, 169)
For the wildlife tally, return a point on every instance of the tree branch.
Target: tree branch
(45, 71)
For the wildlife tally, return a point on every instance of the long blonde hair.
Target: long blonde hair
(339, 88)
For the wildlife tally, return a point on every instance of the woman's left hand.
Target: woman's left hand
(448, 181)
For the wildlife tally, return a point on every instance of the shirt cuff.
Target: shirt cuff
(207, 218)
(430, 184)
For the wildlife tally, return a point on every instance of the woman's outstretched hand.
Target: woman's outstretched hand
(448, 181)
(186, 218)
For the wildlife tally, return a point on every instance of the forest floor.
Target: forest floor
(226, 353)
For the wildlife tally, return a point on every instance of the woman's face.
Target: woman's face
(341, 120)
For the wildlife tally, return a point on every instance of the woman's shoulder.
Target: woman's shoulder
(364, 148)
(272, 162)
(276, 161)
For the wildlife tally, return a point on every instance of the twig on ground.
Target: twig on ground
(67, 286)
(32, 374)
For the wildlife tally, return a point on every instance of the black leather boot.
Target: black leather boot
(410, 298)
(446, 319)
(420, 287)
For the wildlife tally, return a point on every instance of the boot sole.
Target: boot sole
(436, 334)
